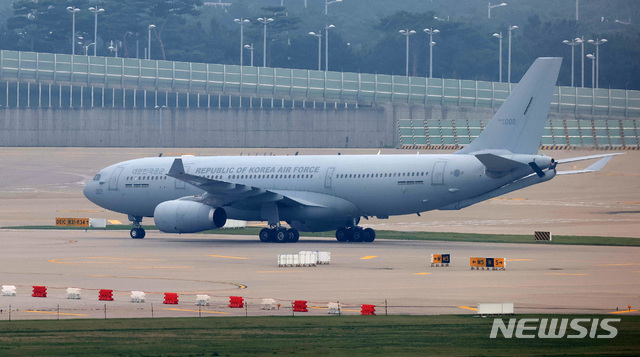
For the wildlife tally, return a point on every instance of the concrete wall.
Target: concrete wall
(201, 127)
(367, 127)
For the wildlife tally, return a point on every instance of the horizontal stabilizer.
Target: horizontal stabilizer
(593, 168)
(498, 163)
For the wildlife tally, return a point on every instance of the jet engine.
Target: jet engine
(180, 216)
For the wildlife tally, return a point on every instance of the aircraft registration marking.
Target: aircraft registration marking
(369, 257)
(227, 257)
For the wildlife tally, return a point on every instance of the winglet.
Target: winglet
(177, 168)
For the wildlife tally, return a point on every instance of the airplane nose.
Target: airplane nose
(88, 190)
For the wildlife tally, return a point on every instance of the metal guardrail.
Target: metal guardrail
(133, 75)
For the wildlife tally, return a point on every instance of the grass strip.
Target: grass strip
(305, 336)
(428, 236)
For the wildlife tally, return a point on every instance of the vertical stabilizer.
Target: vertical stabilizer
(520, 121)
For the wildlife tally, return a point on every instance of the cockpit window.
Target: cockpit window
(96, 178)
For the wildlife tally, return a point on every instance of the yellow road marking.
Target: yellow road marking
(623, 312)
(114, 221)
(620, 264)
(54, 312)
(567, 274)
(206, 312)
(98, 260)
(630, 203)
(369, 257)
(468, 308)
(224, 256)
(518, 260)
(279, 271)
(421, 273)
(182, 267)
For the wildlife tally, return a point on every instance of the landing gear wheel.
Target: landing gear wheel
(342, 234)
(137, 233)
(280, 235)
(369, 235)
(357, 235)
(292, 235)
(265, 235)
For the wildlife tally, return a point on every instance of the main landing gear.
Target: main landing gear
(137, 232)
(355, 234)
(279, 234)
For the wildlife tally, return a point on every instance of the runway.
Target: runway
(40, 184)
(539, 278)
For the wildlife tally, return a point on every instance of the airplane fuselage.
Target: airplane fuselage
(376, 185)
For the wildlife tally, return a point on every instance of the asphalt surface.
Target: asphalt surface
(39, 184)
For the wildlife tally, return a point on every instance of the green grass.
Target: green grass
(430, 236)
(284, 336)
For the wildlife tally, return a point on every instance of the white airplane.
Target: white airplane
(320, 193)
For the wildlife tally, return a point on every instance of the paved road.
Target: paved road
(538, 278)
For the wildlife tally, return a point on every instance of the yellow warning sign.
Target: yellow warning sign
(477, 262)
(72, 222)
(498, 262)
(436, 258)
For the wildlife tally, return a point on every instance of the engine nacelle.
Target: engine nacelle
(180, 216)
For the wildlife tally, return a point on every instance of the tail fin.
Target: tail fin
(519, 123)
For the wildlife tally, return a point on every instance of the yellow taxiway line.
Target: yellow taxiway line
(227, 257)
(623, 312)
(369, 257)
(54, 312)
(468, 308)
(421, 273)
(205, 311)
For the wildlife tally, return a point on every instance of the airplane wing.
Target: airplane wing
(222, 193)
(604, 159)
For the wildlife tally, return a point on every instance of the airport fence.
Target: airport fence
(31, 79)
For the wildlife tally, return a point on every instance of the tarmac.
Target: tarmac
(39, 184)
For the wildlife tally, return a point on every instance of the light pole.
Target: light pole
(113, 48)
(511, 28)
(597, 43)
(327, 3)
(319, 36)
(573, 43)
(582, 45)
(499, 37)
(241, 22)
(407, 33)
(96, 11)
(326, 45)
(151, 27)
(250, 48)
(493, 6)
(577, 4)
(431, 32)
(593, 61)
(73, 11)
(265, 21)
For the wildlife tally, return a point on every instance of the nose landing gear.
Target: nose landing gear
(137, 232)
